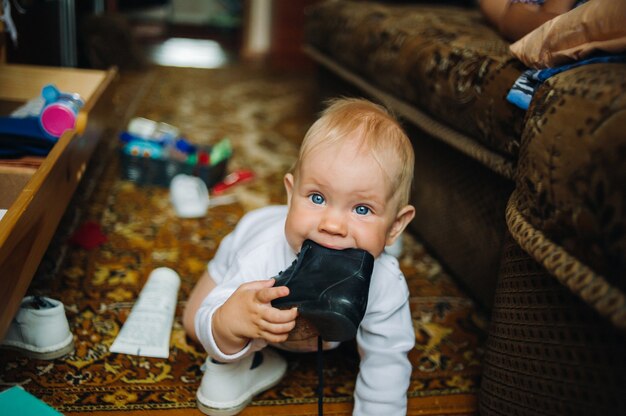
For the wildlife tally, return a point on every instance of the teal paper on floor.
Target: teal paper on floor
(17, 401)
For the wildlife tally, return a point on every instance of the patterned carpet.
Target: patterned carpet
(265, 115)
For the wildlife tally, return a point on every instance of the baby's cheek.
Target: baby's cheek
(293, 236)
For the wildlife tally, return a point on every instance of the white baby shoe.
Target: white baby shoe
(189, 195)
(40, 329)
(227, 388)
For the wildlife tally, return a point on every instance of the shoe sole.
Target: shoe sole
(230, 411)
(47, 355)
(332, 325)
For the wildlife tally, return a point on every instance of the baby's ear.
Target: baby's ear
(288, 180)
(403, 218)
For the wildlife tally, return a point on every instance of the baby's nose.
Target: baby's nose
(333, 223)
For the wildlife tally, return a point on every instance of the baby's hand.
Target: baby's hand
(248, 314)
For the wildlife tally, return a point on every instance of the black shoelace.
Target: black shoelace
(320, 376)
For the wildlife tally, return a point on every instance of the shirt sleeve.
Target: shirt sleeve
(228, 273)
(385, 338)
(218, 266)
(231, 267)
(204, 323)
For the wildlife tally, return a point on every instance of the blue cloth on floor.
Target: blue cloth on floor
(525, 86)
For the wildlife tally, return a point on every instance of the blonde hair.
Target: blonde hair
(380, 133)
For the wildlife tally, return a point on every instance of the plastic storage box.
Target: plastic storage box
(150, 171)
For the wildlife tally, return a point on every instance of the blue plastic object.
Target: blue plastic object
(24, 126)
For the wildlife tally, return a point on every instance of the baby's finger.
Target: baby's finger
(278, 328)
(274, 315)
(268, 294)
(275, 339)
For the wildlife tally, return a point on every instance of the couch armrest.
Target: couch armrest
(572, 166)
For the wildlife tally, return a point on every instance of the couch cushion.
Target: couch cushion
(598, 25)
(443, 59)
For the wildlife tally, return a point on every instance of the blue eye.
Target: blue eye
(362, 210)
(317, 199)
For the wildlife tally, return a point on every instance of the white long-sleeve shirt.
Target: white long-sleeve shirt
(257, 249)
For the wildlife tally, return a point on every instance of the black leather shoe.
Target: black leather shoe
(329, 287)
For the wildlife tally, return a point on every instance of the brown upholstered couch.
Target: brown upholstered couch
(527, 209)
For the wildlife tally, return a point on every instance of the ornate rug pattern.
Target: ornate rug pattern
(265, 115)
